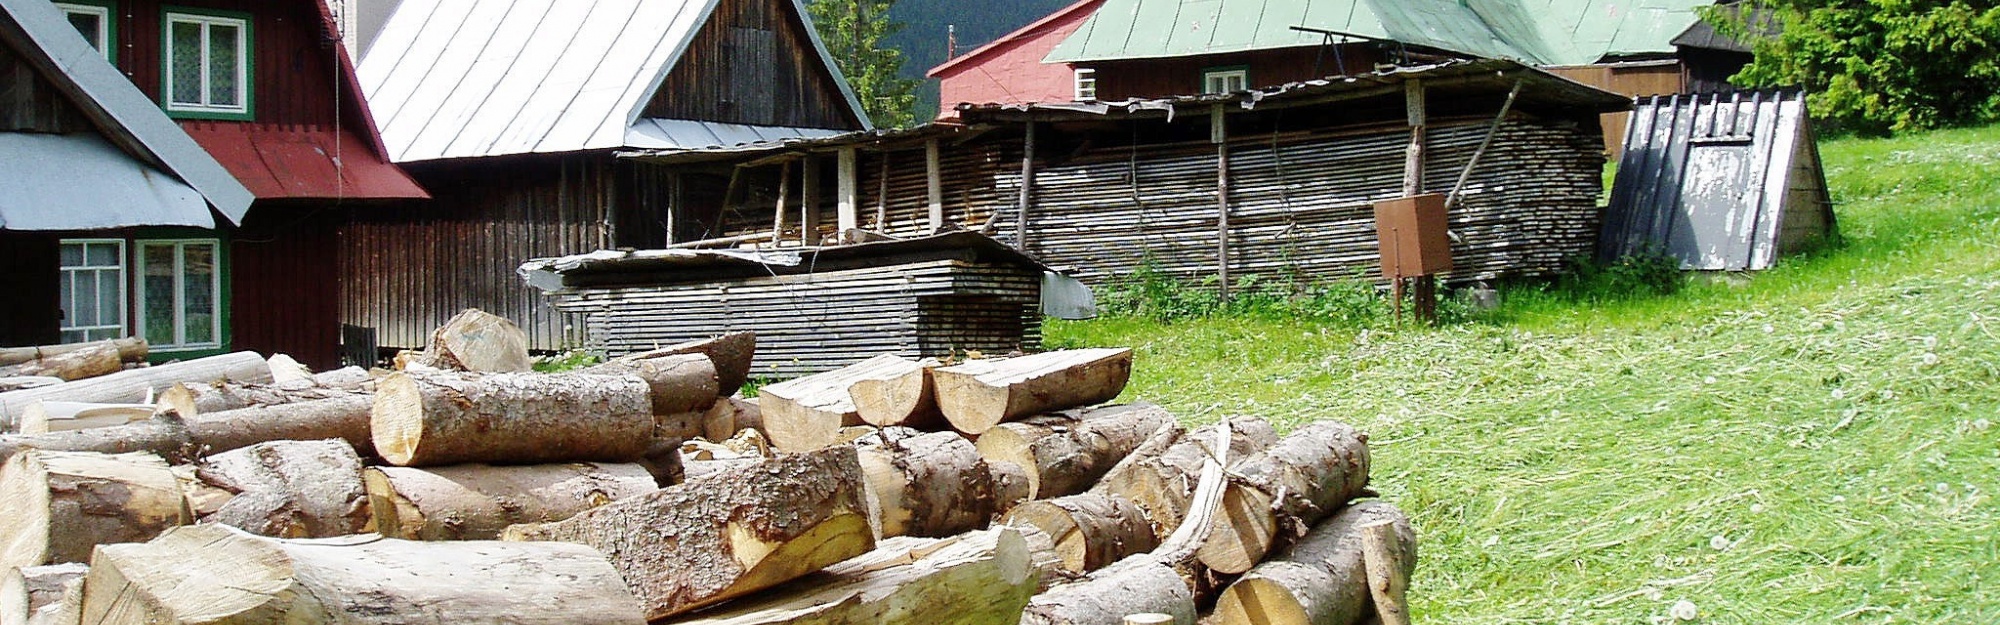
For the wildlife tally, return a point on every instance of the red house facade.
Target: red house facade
(1010, 69)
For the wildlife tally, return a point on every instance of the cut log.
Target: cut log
(130, 349)
(1318, 581)
(729, 534)
(1284, 491)
(1010, 485)
(25, 590)
(68, 610)
(1138, 584)
(680, 383)
(290, 489)
(344, 378)
(215, 574)
(94, 360)
(1090, 530)
(1161, 476)
(1064, 453)
(478, 502)
(343, 417)
(731, 353)
(20, 382)
(165, 436)
(1389, 568)
(133, 386)
(195, 398)
(730, 416)
(61, 504)
(899, 394)
(978, 578)
(43, 417)
(479, 342)
(807, 413)
(443, 418)
(978, 395)
(934, 485)
(286, 370)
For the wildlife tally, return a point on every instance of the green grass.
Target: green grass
(1813, 445)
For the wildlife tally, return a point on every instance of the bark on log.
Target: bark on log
(898, 395)
(478, 502)
(214, 574)
(21, 382)
(978, 395)
(62, 504)
(133, 385)
(1389, 567)
(1318, 581)
(23, 591)
(290, 489)
(934, 485)
(165, 436)
(344, 378)
(479, 342)
(1284, 491)
(729, 534)
(978, 578)
(191, 399)
(440, 418)
(807, 413)
(729, 416)
(1161, 476)
(43, 417)
(1064, 453)
(731, 353)
(91, 361)
(130, 349)
(182, 439)
(1090, 530)
(680, 383)
(1010, 485)
(68, 610)
(1141, 583)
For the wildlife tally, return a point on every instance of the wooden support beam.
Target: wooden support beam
(1413, 156)
(934, 184)
(882, 192)
(850, 190)
(778, 214)
(809, 202)
(1218, 133)
(1027, 188)
(676, 203)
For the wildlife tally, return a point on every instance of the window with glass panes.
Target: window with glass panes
(180, 293)
(1229, 80)
(91, 289)
(207, 65)
(93, 21)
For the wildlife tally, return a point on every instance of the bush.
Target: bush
(1878, 66)
(1647, 273)
(1354, 302)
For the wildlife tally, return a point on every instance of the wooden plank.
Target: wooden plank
(850, 190)
(933, 184)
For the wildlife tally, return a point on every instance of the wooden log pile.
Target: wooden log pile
(1003, 491)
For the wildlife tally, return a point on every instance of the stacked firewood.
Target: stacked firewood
(463, 488)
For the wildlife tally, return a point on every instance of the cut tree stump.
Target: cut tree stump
(807, 413)
(680, 383)
(897, 395)
(1064, 453)
(1284, 491)
(1137, 584)
(933, 485)
(442, 418)
(1090, 530)
(26, 590)
(91, 361)
(478, 502)
(130, 349)
(479, 342)
(216, 574)
(728, 534)
(290, 489)
(133, 386)
(1321, 579)
(978, 578)
(1160, 477)
(197, 398)
(731, 353)
(43, 417)
(62, 504)
(978, 395)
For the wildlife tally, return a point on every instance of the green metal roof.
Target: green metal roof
(1541, 32)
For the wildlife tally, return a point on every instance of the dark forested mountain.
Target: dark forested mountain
(979, 21)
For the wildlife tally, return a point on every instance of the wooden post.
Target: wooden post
(849, 212)
(1218, 134)
(784, 188)
(1425, 288)
(809, 202)
(1027, 189)
(934, 184)
(675, 204)
(882, 191)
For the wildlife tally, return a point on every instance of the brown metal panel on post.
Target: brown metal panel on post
(1413, 235)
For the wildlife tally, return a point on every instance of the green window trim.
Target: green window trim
(221, 292)
(110, 25)
(246, 56)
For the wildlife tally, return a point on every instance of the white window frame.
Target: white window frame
(103, 42)
(68, 273)
(1086, 84)
(1217, 81)
(243, 61)
(180, 294)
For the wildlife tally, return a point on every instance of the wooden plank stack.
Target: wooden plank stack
(1007, 491)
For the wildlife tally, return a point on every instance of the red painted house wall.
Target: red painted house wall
(1010, 70)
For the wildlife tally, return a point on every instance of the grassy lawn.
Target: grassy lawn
(1815, 445)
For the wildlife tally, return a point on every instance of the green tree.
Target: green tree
(853, 31)
(1879, 66)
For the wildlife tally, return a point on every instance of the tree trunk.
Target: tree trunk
(729, 534)
(1090, 530)
(434, 419)
(130, 349)
(290, 489)
(196, 398)
(731, 353)
(215, 574)
(934, 485)
(1389, 567)
(680, 383)
(1135, 585)
(807, 413)
(898, 395)
(978, 395)
(1318, 581)
(43, 417)
(1161, 476)
(729, 416)
(26, 590)
(344, 378)
(164, 435)
(1294, 483)
(62, 504)
(479, 342)
(478, 502)
(1064, 453)
(131, 386)
(979, 578)
(286, 370)
(11, 383)
(1010, 485)
(92, 361)
(343, 417)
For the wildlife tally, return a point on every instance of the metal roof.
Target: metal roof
(79, 181)
(128, 120)
(1542, 32)
(473, 78)
(291, 161)
(690, 135)
(668, 266)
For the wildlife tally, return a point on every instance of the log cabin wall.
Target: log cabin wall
(30, 103)
(285, 285)
(751, 65)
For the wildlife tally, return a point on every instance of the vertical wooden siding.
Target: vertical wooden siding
(30, 103)
(285, 283)
(1634, 80)
(753, 64)
(293, 60)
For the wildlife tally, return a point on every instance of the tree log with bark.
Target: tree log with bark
(26, 590)
(289, 489)
(731, 353)
(199, 398)
(1321, 579)
(978, 578)
(130, 349)
(1160, 477)
(62, 504)
(91, 361)
(978, 395)
(1064, 453)
(807, 413)
(478, 502)
(181, 440)
(441, 418)
(1284, 491)
(680, 383)
(730, 416)
(1141, 583)
(479, 342)
(43, 417)
(897, 395)
(134, 385)
(933, 485)
(1090, 530)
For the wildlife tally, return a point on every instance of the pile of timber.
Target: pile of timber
(645, 490)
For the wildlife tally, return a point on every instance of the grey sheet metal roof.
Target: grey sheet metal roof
(128, 120)
(79, 181)
(690, 135)
(628, 267)
(473, 78)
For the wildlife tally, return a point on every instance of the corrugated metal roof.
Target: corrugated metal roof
(690, 135)
(80, 181)
(290, 161)
(126, 116)
(472, 78)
